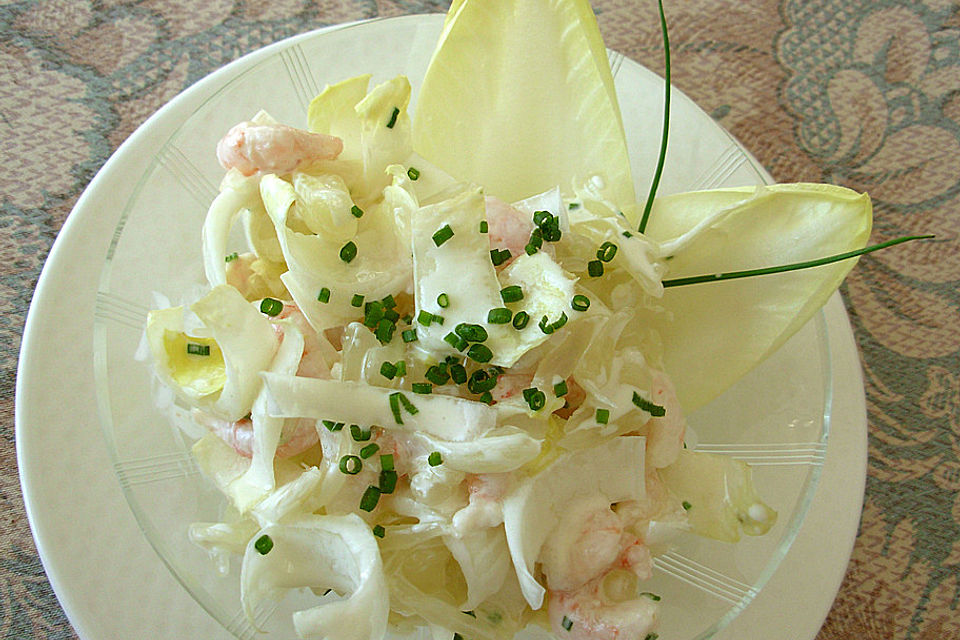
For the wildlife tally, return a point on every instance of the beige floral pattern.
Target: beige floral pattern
(864, 93)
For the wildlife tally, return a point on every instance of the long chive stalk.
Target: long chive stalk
(666, 121)
(795, 266)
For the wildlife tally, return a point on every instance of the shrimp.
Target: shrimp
(664, 434)
(589, 614)
(591, 544)
(509, 228)
(297, 435)
(485, 502)
(274, 148)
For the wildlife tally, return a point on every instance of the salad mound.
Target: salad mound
(437, 390)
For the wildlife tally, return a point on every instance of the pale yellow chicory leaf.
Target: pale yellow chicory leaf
(714, 333)
(526, 88)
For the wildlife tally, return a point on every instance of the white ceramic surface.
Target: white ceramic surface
(119, 588)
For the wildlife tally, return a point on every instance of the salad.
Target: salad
(442, 384)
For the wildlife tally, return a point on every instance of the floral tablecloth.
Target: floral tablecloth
(860, 93)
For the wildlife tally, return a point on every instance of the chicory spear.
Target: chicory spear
(527, 86)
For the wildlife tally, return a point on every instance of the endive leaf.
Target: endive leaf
(714, 333)
(526, 87)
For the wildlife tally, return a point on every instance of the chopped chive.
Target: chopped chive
(535, 242)
(442, 235)
(480, 381)
(358, 434)
(455, 341)
(603, 416)
(732, 275)
(413, 173)
(651, 408)
(535, 398)
(499, 256)
(401, 368)
(387, 481)
(395, 407)
(560, 389)
(373, 314)
(686, 505)
(548, 327)
(595, 268)
(580, 302)
(409, 335)
(443, 300)
(195, 349)
(606, 252)
(421, 387)
(484, 227)
(437, 375)
(425, 318)
(627, 234)
(573, 205)
(356, 211)
(379, 531)
(370, 498)
(333, 426)
(501, 315)
(388, 301)
(384, 331)
(369, 450)
(652, 596)
(436, 318)
(271, 307)
(386, 462)
(348, 251)
(459, 373)
(666, 122)
(566, 623)
(435, 459)
(486, 397)
(391, 315)
(540, 217)
(350, 465)
(393, 118)
(409, 406)
(513, 293)
(471, 332)
(520, 320)
(388, 370)
(356, 300)
(324, 295)
(263, 545)
(479, 353)
(230, 258)
(652, 636)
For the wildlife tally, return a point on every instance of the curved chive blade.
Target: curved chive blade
(795, 266)
(666, 121)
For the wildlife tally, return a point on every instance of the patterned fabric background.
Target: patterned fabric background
(860, 93)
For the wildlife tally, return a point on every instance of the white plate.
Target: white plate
(110, 581)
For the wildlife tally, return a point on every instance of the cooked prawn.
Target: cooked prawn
(591, 543)
(588, 614)
(297, 436)
(665, 434)
(274, 148)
